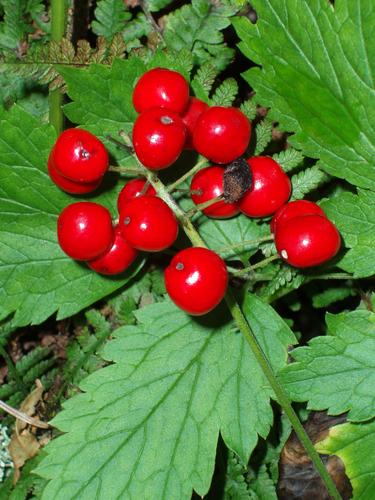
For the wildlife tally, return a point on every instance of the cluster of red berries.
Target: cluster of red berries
(169, 121)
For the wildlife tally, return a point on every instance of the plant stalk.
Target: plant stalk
(58, 21)
(251, 339)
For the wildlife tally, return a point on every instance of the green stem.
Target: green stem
(126, 170)
(244, 327)
(258, 265)
(202, 206)
(188, 174)
(331, 276)
(58, 19)
(254, 242)
(281, 396)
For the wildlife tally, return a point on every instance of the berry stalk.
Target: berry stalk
(58, 20)
(245, 329)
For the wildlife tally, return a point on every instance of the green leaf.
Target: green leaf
(319, 374)
(249, 109)
(318, 82)
(147, 425)
(110, 18)
(354, 444)
(36, 277)
(355, 218)
(232, 237)
(102, 99)
(198, 27)
(226, 93)
(306, 181)
(203, 81)
(288, 159)
(331, 295)
(156, 5)
(263, 132)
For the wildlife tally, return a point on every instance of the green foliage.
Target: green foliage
(178, 381)
(16, 26)
(31, 263)
(308, 77)
(203, 81)
(331, 295)
(289, 159)
(226, 93)
(307, 180)
(28, 484)
(263, 133)
(319, 374)
(198, 27)
(284, 278)
(37, 364)
(355, 218)
(249, 109)
(354, 444)
(110, 18)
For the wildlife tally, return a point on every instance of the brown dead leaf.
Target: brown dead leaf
(24, 444)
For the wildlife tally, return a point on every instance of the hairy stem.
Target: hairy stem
(58, 20)
(245, 329)
(246, 243)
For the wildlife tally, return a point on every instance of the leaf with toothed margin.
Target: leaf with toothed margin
(147, 425)
(36, 277)
(318, 82)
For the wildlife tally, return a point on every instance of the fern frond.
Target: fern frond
(110, 18)
(263, 132)
(226, 93)
(289, 159)
(307, 180)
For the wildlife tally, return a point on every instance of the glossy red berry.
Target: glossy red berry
(295, 209)
(80, 156)
(190, 118)
(158, 138)
(209, 182)
(84, 230)
(132, 189)
(66, 184)
(147, 223)
(161, 88)
(221, 134)
(117, 259)
(270, 189)
(196, 280)
(307, 240)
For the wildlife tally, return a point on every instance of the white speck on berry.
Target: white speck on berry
(166, 120)
(284, 254)
(179, 266)
(127, 221)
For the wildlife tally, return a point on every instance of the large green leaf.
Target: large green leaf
(36, 277)
(317, 76)
(337, 372)
(147, 425)
(354, 444)
(102, 99)
(110, 18)
(354, 215)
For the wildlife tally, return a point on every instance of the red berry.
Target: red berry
(117, 259)
(294, 209)
(67, 185)
(84, 230)
(147, 223)
(270, 189)
(307, 240)
(161, 88)
(222, 134)
(209, 181)
(196, 280)
(158, 138)
(190, 118)
(80, 156)
(132, 189)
